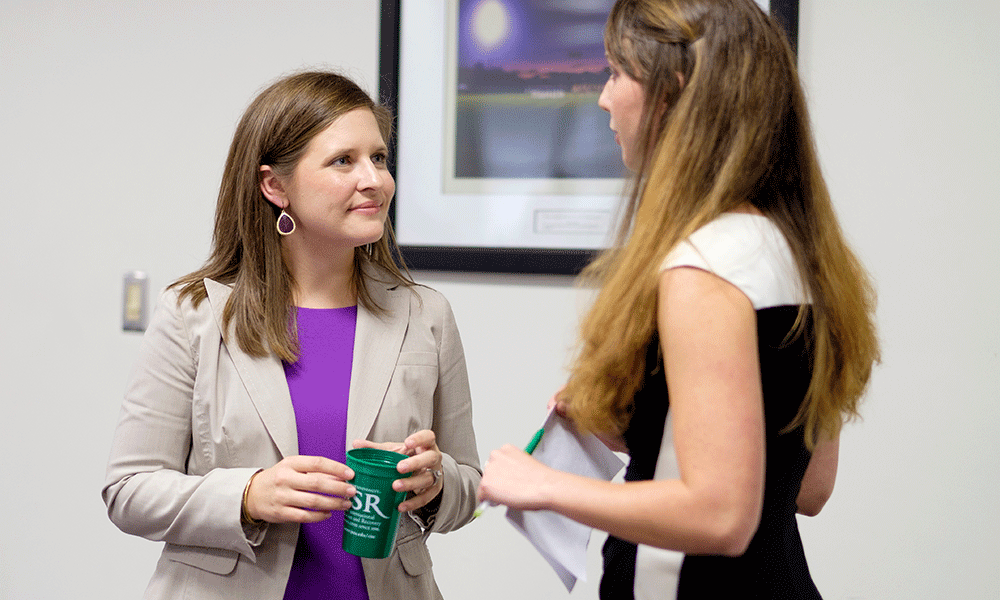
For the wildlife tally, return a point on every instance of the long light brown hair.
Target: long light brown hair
(246, 250)
(735, 131)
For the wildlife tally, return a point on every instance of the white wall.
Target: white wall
(115, 121)
(904, 96)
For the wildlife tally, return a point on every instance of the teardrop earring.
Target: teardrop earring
(285, 224)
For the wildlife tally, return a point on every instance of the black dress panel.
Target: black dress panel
(774, 565)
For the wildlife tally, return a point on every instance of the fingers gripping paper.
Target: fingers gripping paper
(562, 541)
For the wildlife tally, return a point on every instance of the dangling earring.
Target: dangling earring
(285, 224)
(368, 248)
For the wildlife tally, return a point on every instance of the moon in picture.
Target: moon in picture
(491, 24)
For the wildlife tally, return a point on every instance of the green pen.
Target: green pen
(529, 449)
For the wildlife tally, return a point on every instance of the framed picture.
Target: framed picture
(503, 161)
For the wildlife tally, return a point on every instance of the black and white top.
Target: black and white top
(751, 253)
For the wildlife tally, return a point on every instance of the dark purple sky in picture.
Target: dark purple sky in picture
(533, 36)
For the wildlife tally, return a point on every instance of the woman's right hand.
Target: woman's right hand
(559, 404)
(300, 489)
(613, 441)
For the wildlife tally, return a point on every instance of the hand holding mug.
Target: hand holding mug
(299, 489)
(424, 463)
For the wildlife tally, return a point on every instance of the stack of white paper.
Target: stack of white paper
(562, 541)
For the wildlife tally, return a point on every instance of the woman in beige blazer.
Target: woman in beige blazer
(206, 454)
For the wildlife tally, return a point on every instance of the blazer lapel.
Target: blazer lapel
(264, 379)
(377, 342)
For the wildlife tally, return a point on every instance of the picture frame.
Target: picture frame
(514, 207)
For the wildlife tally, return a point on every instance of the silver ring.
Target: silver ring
(437, 474)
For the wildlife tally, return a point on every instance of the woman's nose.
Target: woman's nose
(602, 100)
(369, 176)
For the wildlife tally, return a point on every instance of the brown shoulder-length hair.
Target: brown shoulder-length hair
(246, 250)
(735, 131)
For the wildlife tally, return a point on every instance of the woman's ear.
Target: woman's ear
(272, 187)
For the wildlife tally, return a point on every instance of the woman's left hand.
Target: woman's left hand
(424, 462)
(515, 479)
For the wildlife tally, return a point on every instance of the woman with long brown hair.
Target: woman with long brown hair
(733, 332)
(299, 338)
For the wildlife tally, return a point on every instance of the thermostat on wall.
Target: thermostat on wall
(134, 301)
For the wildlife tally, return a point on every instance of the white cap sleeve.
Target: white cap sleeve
(749, 252)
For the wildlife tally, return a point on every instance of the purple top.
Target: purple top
(319, 383)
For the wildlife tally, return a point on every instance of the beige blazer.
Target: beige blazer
(200, 417)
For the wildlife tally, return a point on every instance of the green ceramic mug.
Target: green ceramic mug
(370, 523)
